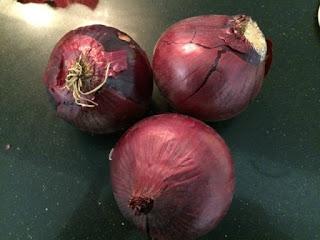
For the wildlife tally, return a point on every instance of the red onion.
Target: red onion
(212, 66)
(64, 3)
(173, 176)
(100, 79)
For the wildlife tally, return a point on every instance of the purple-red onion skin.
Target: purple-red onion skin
(64, 3)
(126, 95)
(205, 70)
(269, 56)
(180, 163)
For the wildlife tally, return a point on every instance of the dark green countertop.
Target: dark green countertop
(54, 180)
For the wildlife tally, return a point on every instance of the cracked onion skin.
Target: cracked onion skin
(107, 62)
(211, 67)
(172, 176)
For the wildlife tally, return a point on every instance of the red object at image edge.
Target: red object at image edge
(64, 3)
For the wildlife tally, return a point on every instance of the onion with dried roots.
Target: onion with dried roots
(173, 176)
(99, 78)
(212, 66)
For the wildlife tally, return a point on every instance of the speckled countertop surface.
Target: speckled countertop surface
(54, 179)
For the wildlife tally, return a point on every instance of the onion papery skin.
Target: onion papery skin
(172, 176)
(64, 3)
(126, 94)
(205, 66)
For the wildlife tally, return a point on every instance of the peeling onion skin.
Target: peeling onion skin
(180, 165)
(125, 96)
(64, 3)
(206, 68)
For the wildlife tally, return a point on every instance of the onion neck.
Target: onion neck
(252, 33)
(141, 205)
(78, 78)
